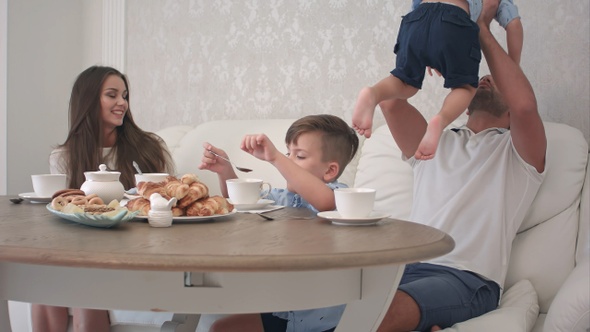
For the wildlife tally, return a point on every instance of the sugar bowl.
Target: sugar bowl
(103, 183)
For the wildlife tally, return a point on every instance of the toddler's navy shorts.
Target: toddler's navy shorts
(443, 37)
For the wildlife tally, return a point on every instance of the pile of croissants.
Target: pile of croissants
(191, 194)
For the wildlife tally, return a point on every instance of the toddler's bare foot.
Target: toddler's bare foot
(429, 143)
(435, 328)
(362, 116)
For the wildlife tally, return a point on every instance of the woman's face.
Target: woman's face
(113, 101)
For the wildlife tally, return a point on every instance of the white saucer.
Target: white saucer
(337, 219)
(254, 206)
(32, 198)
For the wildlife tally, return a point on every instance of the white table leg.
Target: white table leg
(181, 323)
(378, 288)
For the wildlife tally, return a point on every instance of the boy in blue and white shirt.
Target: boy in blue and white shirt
(318, 149)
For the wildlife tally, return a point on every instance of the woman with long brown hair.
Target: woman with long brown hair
(102, 131)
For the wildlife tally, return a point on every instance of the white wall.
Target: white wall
(49, 43)
(194, 61)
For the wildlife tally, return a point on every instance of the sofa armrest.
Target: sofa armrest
(570, 309)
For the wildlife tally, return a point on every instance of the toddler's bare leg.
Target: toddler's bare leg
(364, 110)
(388, 88)
(455, 103)
(429, 142)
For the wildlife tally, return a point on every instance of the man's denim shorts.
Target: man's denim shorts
(446, 295)
(441, 36)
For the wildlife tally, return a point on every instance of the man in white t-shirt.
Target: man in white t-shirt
(477, 188)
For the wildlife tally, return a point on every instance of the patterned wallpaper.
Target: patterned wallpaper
(191, 61)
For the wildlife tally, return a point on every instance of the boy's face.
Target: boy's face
(307, 153)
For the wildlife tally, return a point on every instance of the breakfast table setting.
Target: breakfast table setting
(277, 257)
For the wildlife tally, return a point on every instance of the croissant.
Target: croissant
(225, 206)
(139, 204)
(146, 189)
(178, 212)
(176, 189)
(196, 191)
(189, 178)
(209, 206)
(202, 207)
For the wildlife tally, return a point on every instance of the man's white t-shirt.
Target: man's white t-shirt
(477, 189)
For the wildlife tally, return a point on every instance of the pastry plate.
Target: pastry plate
(337, 219)
(254, 206)
(31, 197)
(95, 220)
(193, 218)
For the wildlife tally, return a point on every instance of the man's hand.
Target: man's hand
(488, 12)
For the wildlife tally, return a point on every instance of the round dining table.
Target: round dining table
(237, 263)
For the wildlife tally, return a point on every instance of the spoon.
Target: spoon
(241, 169)
(137, 168)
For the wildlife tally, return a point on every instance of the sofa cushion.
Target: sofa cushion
(381, 167)
(552, 218)
(570, 310)
(517, 312)
(227, 135)
(567, 156)
(583, 246)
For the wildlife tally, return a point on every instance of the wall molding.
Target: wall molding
(3, 96)
(114, 33)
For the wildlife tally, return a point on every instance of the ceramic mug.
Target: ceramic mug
(354, 203)
(246, 191)
(45, 185)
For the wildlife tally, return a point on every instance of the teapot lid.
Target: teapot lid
(102, 175)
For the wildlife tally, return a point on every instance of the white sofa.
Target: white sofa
(547, 287)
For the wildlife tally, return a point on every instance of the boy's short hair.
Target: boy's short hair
(339, 141)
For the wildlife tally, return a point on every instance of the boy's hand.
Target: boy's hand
(488, 12)
(212, 163)
(260, 146)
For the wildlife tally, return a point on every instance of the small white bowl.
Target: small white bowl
(150, 177)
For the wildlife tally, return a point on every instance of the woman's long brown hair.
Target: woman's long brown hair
(83, 146)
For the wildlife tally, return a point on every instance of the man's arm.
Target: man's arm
(526, 126)
(406, 124)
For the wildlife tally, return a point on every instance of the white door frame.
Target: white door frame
(3, 96)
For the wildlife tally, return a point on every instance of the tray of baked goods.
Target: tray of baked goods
(193, 202)
(90, 210)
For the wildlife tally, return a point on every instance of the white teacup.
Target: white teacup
(354, 202)
(45, 185)
(150, 177)
(246, 191)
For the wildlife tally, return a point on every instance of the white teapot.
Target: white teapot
(104, 183)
